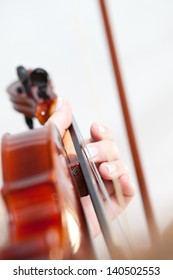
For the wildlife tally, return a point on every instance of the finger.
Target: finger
(113, 169)
(62, 117)
(117, 170)
(104, 150)
(128, 188)
(100, 132)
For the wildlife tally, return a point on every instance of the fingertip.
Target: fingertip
(99, 131)
(105, 171)
(128, 188)
(110, 171)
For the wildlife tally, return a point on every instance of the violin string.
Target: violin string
(111, 239)
(124, 236)
(86, 55)
(89, 74)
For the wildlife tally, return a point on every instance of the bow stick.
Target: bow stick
(152, 226)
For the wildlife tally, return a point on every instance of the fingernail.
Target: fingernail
(101, 128)
(91, 151)
(111, 167)
(59, 103)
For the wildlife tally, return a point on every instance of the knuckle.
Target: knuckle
(115, 151)
(125, 167)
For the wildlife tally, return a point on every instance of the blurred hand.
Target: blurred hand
(105, 154)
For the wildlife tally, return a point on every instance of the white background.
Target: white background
(82, 269)
(66, 37)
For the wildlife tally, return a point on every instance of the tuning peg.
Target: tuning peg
(39, 77)
(24, 78)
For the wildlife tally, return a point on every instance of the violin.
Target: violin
(34, 238)
(44, 178)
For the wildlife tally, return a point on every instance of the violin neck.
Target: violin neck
(92, 181)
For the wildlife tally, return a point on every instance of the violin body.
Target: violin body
(46, 219)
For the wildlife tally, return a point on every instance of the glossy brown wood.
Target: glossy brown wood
(152, 225)
(45, 246)
(40, 196)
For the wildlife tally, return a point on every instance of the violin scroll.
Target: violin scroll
(33, 95)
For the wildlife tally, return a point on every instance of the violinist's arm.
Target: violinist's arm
(105, 154)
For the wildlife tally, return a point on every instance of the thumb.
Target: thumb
(62, 117)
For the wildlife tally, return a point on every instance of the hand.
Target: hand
(112, 169)
(105, 154)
